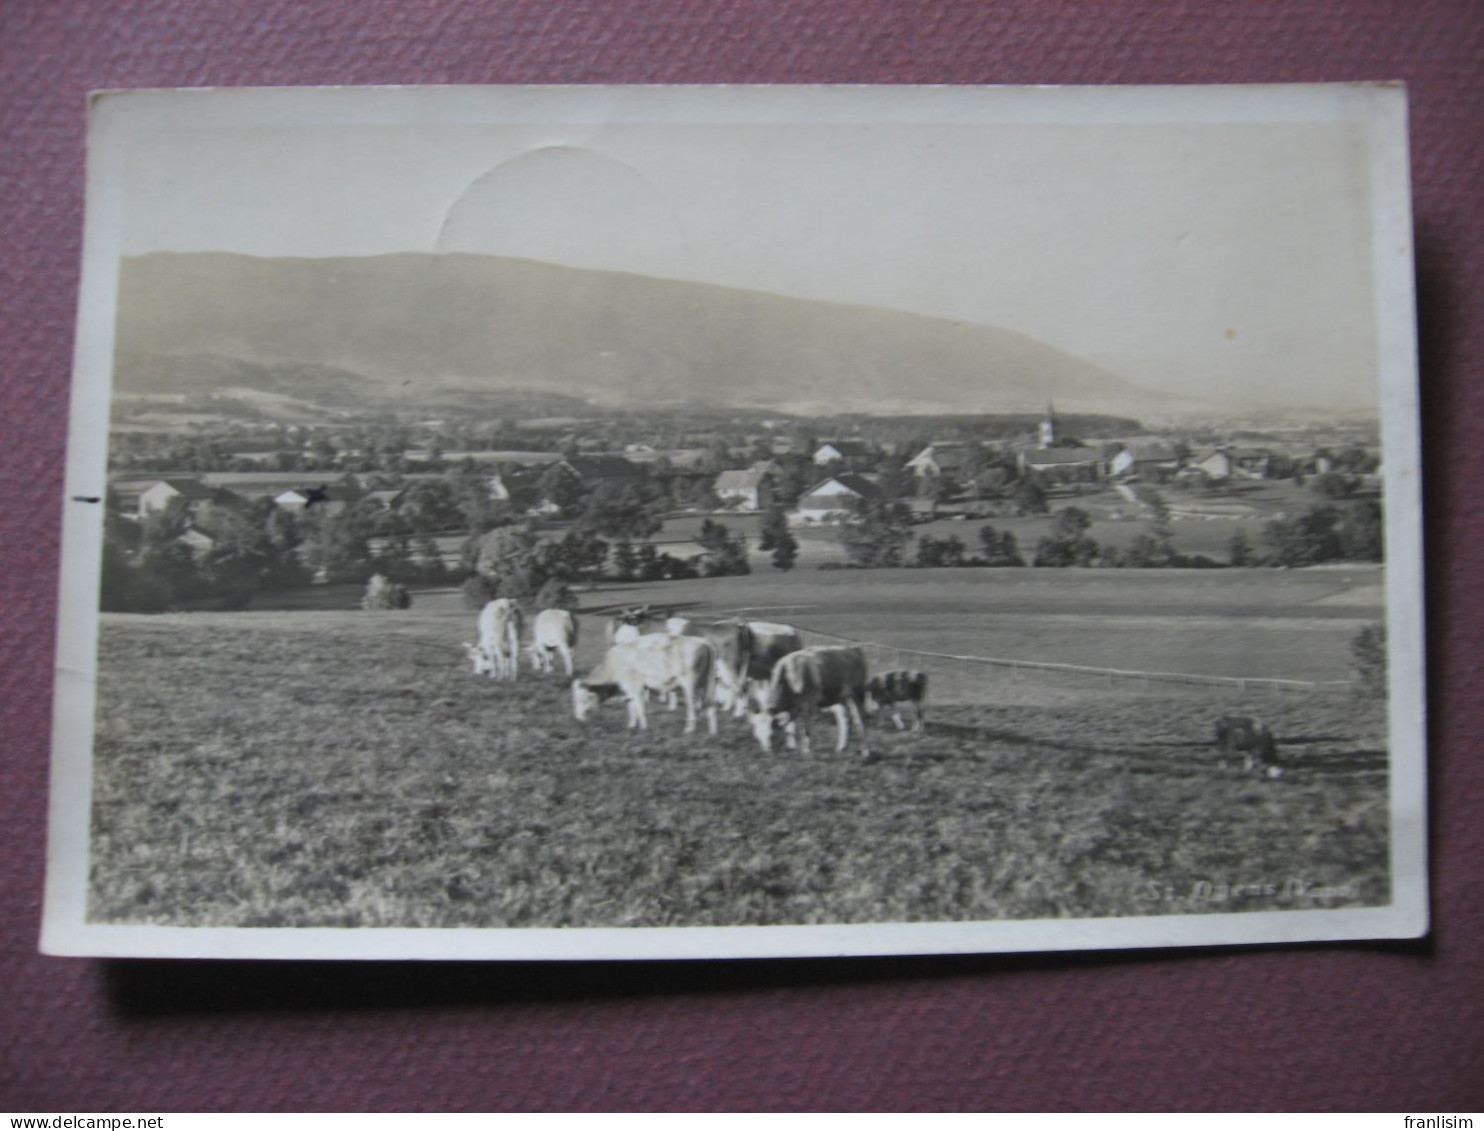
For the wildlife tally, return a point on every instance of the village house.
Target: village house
(942, 458)
(332, 498)
(831, 500)
(750, 489)
(1233, 463)
(1147, 461)
(1063, 465)
(198, 542)
(387, 498)
(833, 451)
(162, 492)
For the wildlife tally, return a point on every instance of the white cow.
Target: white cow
(653, 662)
(803, 682)
(498, 650)
(553, 634)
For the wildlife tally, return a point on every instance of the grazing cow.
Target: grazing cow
(553, 634)
(732, 641)
(654, 662)
(498, 650)
(802, 682)
(770, 643)
(890, 690)
(1251, 738)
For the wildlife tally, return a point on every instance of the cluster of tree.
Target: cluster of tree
(775, 535)
(1328, 532)
(725, 552)
(878, 533)
(998, 549)
(516, 562)
(149, 566)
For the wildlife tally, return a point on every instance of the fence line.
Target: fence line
(896, 657)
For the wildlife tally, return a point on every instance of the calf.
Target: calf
(890, 690)
(553, 634)
(1251, 738)
(655, 662)
(806, 681)
(498, 650)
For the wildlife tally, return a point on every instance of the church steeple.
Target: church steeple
(1048, 427)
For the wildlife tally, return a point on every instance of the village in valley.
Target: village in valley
(212, 512)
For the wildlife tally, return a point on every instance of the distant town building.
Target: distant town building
(198, 542)
(941, 457)
(1146, 461)
(329, 499)
(1048, 431)
(750, 489)
(1063, 464)
(831, 499)
(1233, 463)
(160, 494)
(832, 451)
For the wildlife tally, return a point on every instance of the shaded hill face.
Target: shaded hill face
(410, 328)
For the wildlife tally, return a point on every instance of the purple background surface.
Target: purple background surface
(1378, 1027)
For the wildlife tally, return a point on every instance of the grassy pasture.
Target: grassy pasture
(306, 768)
(1281, 624)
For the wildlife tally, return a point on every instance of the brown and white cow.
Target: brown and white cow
(732, 640)
(498, 650)
(889, 690)
(833, 678)
(1251, 738)
(553, 634)
(770, 643)
(654, 662)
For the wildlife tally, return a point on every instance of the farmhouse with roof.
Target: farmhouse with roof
(750, 489)
(331, 498)
(161, 493)
(1233, 463)
(1146, 461)
(1063, 465)
(831, 451)
(941, 457)
(831, 499)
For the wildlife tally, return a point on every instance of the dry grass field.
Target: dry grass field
(339, 768)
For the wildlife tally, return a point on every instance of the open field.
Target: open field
(1278, 624)
(305, 768)
(1251, 624)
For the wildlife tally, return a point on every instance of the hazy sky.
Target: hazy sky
(1221, 258)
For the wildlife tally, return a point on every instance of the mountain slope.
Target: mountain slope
(413, 326)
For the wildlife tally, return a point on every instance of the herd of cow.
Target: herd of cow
(749, 669)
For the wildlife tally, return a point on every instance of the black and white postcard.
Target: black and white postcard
(644, 522)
